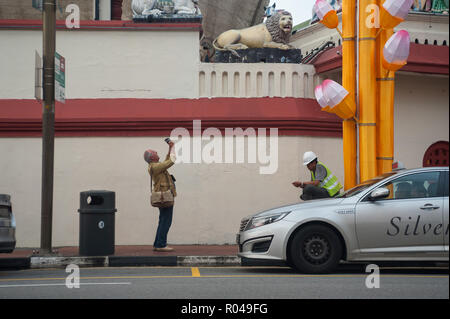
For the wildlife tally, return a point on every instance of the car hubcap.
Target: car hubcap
(316, 249)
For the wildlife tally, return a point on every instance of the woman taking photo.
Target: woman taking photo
(162, 184)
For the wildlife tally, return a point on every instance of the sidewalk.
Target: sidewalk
(183, 255)
(141, 250)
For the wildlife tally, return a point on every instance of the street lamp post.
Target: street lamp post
(48, 123)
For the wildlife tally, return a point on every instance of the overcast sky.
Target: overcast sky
(301, 10)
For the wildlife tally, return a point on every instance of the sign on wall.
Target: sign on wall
(60, 78)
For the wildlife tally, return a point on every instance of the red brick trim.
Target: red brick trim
(431, 59)
(155, 117)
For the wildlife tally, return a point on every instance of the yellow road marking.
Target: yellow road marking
(195, 272)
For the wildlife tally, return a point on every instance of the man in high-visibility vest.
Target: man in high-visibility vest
(323, 183)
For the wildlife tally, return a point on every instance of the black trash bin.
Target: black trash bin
(97, 223)
(7, 225)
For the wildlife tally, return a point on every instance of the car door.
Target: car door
(446, 212)
(407, 223)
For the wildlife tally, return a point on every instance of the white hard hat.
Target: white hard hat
(308, 157)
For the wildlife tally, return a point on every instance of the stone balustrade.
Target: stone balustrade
(256, 80)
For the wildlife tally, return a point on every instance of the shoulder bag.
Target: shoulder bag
(162, 198)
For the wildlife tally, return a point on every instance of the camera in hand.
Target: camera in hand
(167, 140)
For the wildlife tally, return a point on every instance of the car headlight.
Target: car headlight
(259, 221)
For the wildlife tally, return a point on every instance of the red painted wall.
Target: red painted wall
(157, 117)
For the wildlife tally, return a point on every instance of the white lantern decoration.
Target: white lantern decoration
(396, 51)
(320, 97)
(393, 12)
(398, 8)
(339, 100)
(334, 92)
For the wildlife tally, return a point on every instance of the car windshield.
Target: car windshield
(361, 187)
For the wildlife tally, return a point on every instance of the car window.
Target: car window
(419, 185)
(361, 187)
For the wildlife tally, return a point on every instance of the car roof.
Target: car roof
(424, 169)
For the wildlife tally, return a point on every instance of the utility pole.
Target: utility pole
(48, 123)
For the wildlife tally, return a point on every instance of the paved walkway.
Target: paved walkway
(182, 255)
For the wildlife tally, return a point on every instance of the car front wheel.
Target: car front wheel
(315, 249)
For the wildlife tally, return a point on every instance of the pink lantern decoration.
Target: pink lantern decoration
(321, 8)
(320, 97)
(396, 51)
(393, 12)
(326, 14)
(339, 100)
(398, 8)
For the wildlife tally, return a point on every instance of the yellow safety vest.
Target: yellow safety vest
(330, 182)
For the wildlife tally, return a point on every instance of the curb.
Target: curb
(209, 261)
(137, 261)
(15, 263)
(40, 262)
(58, 262)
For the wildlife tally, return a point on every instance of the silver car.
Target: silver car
(7, 225)
(399, 216)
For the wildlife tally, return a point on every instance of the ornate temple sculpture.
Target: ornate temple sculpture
(422, 5)
(436, 6)
(187, 7)
(142, 7)
(270, 11)
(440, 6)
(165, 7)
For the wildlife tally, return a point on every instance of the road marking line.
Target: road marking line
(195, 272)
(228, 276)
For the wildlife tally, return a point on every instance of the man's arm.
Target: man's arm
(320, 173)
(170, 160)
(314, 183)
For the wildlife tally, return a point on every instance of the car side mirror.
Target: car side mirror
(379, 193)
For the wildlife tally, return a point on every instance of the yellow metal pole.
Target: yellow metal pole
(349, 83)
(385, 106)
(367, 90)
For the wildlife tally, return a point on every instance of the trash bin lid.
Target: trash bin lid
(5, 200)
(97, 201)
(97, 210)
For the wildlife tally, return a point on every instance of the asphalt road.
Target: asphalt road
(221, 282)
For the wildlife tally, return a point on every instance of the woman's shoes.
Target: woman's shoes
(163, 249)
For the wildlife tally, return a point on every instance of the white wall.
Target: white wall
(211, 202)
(106, 64)
(421, 115)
